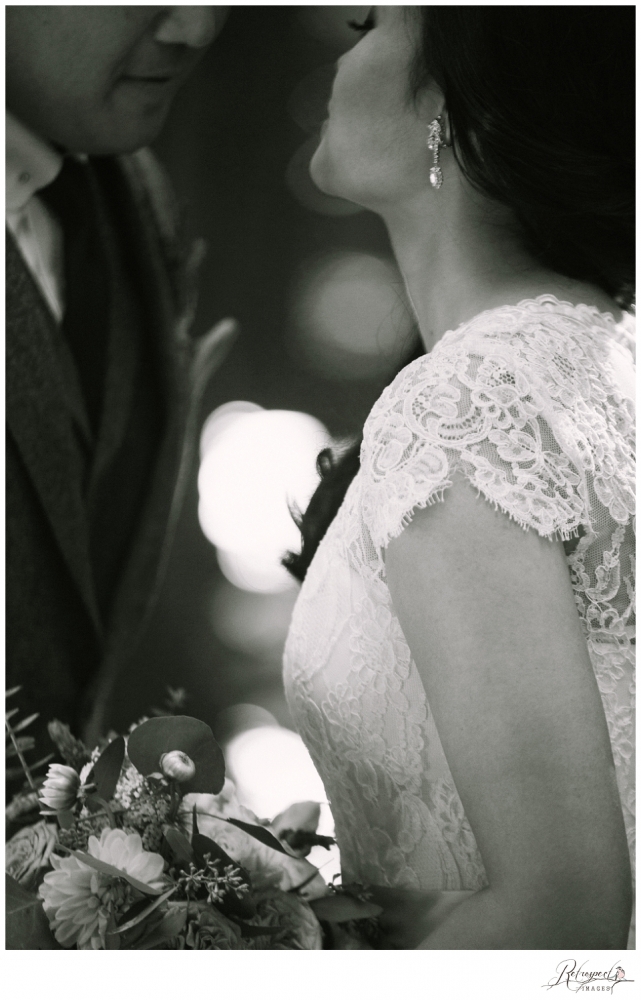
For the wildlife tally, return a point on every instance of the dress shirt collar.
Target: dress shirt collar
(31, 164)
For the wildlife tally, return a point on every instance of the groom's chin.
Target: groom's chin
(108, 135)
(131, 118)
(130, 126)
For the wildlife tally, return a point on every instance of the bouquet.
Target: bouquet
(142, 844)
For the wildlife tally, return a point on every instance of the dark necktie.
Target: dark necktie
(73, 198)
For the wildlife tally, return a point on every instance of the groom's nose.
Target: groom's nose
(195, 27)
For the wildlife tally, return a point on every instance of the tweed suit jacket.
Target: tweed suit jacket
(54, 628)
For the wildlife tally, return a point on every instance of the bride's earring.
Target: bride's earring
(435, 144)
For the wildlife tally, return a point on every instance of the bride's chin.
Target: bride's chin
(321, 172)
(327, 174)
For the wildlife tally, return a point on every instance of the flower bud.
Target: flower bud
(177, 765)
(60, 787)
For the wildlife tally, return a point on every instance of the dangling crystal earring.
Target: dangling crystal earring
(434, 144)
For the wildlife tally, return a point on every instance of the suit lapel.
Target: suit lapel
(138, 579)
(183, 371)
(40, 421)
(142, 573)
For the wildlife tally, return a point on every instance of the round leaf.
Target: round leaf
(155, 737)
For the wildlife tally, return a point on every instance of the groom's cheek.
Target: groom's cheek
(101, 79)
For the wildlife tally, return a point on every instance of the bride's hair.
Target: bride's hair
(541, 102)
(541, 105)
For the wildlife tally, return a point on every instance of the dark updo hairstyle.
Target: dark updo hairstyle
(541, 102)
(541, 106)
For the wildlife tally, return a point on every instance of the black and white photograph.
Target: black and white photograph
(320, 495)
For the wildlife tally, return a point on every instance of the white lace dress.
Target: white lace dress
(535, 405)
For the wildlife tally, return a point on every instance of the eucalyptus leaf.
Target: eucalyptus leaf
(25, 722)
(26, 926)
(112, 941)
(23, 744)
(151, 739)
(180, 846)
(170, 926)
(235, 905)
(10, 714)
(107, 869)
(259, 832)
(94, 803)
(205, 845)
(65, 818)
(39, 763)
(11, 773)
(145, 913)
(106, 770)
(340, 907)
(13, 690)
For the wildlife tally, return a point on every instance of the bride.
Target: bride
(460, 657)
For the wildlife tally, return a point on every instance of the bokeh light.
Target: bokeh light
(255, 465)
(350, 317)
(272, 770)
(252, 623)
(309, 99)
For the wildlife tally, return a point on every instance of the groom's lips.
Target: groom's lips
(150, 79)
(158, 75)
(154, 87)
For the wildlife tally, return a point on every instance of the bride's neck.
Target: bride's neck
(459, 255)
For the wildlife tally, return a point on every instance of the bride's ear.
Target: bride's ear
(429, 103)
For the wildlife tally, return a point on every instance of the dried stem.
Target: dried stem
(174, 801)
(25, 766)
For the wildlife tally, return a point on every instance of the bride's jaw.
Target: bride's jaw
(350, 163)
(372, 148)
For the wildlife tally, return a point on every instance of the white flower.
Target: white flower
(125, 851)
(79, 900)
(60, 788)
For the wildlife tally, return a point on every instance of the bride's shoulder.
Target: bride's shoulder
(503, 372)
(542, 340)
(536, 326)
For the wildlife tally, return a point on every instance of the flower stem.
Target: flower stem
(25, 766)
(175, 800)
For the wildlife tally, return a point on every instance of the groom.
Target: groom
(102, 377)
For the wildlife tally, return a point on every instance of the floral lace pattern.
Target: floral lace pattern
(534, 404)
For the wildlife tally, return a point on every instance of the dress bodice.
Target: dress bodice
(534, 404)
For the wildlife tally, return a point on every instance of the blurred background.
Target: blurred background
(324, 327)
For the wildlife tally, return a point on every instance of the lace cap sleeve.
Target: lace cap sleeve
(520, 419)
